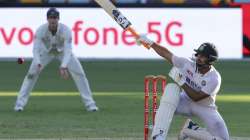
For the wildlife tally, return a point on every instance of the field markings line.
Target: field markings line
(223, 98)
(171, 138)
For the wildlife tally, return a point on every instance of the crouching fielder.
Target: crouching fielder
(53, 41)
(199, 82)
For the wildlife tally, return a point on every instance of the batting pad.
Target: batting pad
(169, 101)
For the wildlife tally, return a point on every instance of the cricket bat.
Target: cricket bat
(118, 17)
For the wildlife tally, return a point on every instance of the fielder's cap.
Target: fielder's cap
(53, 12)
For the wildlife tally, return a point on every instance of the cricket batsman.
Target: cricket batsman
(53, 41)
(194, 94)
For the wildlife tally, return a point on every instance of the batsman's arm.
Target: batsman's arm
(162, 51)
(212, 87)
(180, 79)
(194, 95)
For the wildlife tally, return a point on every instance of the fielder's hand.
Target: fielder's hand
(64, 72)
(177, 76)
(143, 39)
(39, 67)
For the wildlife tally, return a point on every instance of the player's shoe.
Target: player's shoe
(92, 108)
(189, 124)
(158, 137)
(18, 108)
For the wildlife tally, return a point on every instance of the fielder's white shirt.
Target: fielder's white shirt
(58, 44)
(209, 82)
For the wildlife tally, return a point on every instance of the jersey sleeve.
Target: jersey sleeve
(67, 47)
(37, 45)
(179, 62)
(211, 86)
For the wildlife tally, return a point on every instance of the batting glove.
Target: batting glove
(143, 38)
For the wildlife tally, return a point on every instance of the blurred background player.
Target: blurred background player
(53, 41)
(199, 82)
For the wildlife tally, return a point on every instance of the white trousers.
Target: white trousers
(75, 69)
(208, 115)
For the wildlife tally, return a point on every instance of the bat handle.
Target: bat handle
(137, 36)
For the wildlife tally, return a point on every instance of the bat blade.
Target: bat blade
(118, 17)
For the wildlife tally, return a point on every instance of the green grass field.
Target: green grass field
(55, 109)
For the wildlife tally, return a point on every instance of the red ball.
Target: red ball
(20, 60)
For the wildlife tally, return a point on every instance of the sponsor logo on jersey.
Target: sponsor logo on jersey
(190, 73)
(193, 85)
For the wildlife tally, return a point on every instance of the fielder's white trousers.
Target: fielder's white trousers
(75, 69)
(209, 115)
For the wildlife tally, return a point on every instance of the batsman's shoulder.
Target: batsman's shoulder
(215, 74)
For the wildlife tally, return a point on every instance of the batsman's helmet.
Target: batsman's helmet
(209, 50)
(53, 12)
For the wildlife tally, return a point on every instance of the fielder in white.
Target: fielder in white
(53, 41)
(198, 83)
